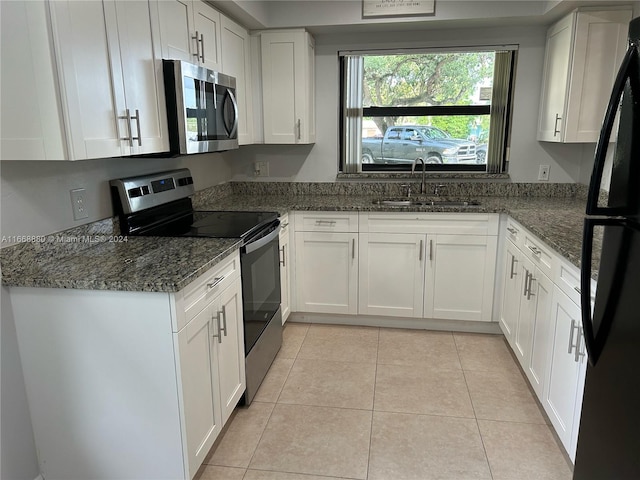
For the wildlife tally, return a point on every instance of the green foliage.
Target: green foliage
(426, 80)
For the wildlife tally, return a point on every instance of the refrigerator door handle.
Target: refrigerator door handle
(629, 61)
(594, 342)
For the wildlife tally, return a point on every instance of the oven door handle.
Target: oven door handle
(261, 242)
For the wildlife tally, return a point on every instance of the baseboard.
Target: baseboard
(397, 322)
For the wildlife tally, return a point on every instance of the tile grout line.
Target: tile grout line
(373, 405)
(294, 362)
(464, 375)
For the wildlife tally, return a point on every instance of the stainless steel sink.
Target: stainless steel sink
(408, 202)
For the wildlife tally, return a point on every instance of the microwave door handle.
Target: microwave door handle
(630, 58)
(234, 102)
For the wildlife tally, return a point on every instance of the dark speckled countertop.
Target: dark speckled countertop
(169, 264)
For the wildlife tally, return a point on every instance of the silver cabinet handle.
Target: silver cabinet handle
(215, 282)
(421, 248)
(512, 230)
(555, 126)
(574, 326)
(283, 261)
(530, 292)
(224, 321)
(197, 54)
(526, 282)
(202, 43)
(325, 222)
(578, 353)
(353, 248)
(219, 334)
(284, 225)
(577, 289)
(299, 129)
(513, 273)
(430, 250)
(534, 250)
(139, 137)
(127, 117)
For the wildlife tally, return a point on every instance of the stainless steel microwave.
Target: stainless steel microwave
(202, 109)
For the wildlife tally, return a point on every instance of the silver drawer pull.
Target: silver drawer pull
(512, 230)
(578, 290)
(325, 222)
(215, 282)
(535, 250)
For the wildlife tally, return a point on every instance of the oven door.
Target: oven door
(260, 264)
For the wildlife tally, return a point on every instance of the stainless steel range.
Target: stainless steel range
(160, 205)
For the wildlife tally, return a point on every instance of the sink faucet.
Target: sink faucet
(413, 169)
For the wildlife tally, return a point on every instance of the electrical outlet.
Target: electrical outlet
(78, 204)
(261, 169)
(543, 173)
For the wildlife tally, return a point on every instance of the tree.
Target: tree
(425, 79)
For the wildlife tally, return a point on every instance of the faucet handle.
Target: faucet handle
(408, 187)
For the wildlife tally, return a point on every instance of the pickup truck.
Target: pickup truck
(403, 144)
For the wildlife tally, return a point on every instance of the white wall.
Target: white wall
(319, 162)
(35, 195)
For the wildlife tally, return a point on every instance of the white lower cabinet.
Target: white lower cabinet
(327, 272)
(543, 327)
(285, 266)
(562, 397)
(459, 277)
(391, 274)
(422, 265)
(147, 378)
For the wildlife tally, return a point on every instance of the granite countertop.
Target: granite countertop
(169, 264)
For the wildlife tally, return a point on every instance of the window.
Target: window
(449, 108)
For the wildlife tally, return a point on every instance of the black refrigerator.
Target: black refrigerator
(609, 435)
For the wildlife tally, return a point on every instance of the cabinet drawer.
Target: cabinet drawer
(539, 253)
(326, 222)
(199, 293)
(439, 223)
(513, 232)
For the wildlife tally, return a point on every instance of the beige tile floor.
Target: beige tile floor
(384, 404)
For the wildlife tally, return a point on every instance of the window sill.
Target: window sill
(429, 175)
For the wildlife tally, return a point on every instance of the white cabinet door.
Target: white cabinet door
(92, 91)
(541, 288)
(199, 380)
(327, 272)
(230, 348)
(141, 63)
(176, 35)
(32, 126)
(564, 369)
(285, 276)
(524, 327)
(459, 277)
(236, 61)
(391, 274)
(206, 22)
(582, 56)
(288, 86)
(512, 293)
(555, 80)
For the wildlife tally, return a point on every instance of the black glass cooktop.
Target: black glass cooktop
(213, 224)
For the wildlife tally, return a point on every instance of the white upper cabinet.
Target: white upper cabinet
(111, 75)
(288, 86)
(582, 56)
(32, 127)
(190, 31)
(236, 61)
